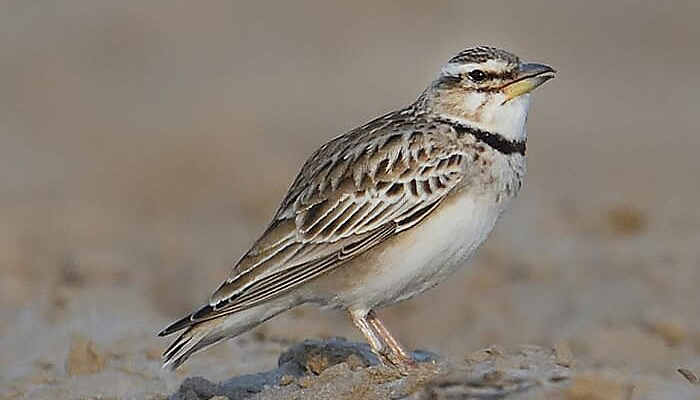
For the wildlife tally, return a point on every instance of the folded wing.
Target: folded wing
(352, 194)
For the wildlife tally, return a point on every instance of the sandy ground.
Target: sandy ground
(143, 146)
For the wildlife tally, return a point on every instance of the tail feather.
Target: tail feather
(190, 341)
(188, 320)
(202, 334)
(178, 325)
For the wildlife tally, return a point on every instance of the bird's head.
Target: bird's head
(487, 88)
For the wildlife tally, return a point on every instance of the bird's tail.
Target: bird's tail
(204, 334)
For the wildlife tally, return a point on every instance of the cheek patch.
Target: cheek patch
(473, 103)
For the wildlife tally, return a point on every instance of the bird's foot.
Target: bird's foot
(389, 351)
(397, 361)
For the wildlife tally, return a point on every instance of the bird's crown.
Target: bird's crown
(482, 68)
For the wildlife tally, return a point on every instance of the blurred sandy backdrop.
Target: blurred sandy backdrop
(144, 145)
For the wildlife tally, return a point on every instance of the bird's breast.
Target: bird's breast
(417, 259)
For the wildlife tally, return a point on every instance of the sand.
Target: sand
(143, 146)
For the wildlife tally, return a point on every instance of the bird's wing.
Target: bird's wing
(352, 194)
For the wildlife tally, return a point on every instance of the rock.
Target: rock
(196, 388)
(314, 365)
(338, 369)
(310, 354)
(84, 357)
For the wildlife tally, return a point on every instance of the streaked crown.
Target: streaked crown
(483, 53)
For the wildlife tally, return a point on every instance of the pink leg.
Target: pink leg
(399, 353)
(388, 349)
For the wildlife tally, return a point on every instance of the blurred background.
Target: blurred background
(145, 145)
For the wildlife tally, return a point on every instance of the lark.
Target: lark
(385, 211)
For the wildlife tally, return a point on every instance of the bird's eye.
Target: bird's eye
(477, 75)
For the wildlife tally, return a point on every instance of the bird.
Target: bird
(384, 211)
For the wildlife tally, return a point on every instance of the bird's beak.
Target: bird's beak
(531, 76)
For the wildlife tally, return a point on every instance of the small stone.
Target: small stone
(305, 382)
(286, 380)
(83, 357)
(317, 363)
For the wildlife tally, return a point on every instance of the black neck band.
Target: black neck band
(494, 140)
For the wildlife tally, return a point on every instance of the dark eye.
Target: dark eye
(477, 75)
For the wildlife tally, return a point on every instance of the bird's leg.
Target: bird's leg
(399, 355)
(360, 321)
(381, 349)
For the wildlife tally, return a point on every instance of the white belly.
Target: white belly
(429, 252)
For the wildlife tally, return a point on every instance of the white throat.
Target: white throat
(488, 113)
